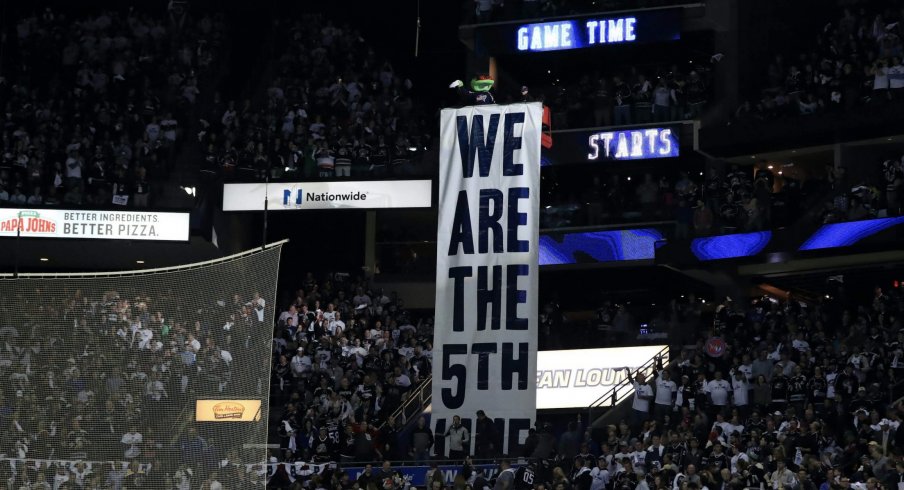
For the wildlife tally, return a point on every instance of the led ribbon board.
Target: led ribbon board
(569, 34)
(730, 246)
(633, 144)
(587, 31)
(599, 246)
(846, 234)
(613, 145)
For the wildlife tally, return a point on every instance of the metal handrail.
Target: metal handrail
(613, 397)
(414, 405)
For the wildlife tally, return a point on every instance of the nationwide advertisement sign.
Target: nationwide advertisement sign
(300, 196)
(577, 378)
(227, 410)
(581, 32)
(109, 225)
(485, 338)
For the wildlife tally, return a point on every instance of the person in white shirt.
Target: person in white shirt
(741, 390)
(746, 367)
(600, 474)
(643, 393)
(896, 78)
(292, 312)
(301, 363)
(718, 390)
(336, 325)
(155, 389)
(132, 440)
(258, 304)
(330, 313)
(193, 344)
(737, 455)
(800, 343)
(665, 395)
(401, 378)
(145, 335)
(638, 455)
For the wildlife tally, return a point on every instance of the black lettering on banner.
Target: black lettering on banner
(473, 144)
(512, 366)
(488, 219)
(510, 144)
(461, 227)
(457, 371)
(516, 219)
(458, 275)
(439, 429)
(487, 297)
(515, 296)
(483, 351)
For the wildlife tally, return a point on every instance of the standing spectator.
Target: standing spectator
(643, 393)
(718, 390)
(459, 439)
(485, 436)
(623, 102)
(421, 441)
(662, 101)
(666, 391)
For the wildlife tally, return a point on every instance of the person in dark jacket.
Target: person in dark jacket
(421, 441)
(485, 431)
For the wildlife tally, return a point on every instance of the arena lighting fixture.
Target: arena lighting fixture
(412, 148)
(770, 167)
(189, 190)
(139, 261)
(44, 259)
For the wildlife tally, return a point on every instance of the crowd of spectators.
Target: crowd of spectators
(622, 321)
(619, 198)
(738, 199)
(99, 386)
(345, 357)
(482, 11)
(875, 196)
(800, 395)
(94, 106)
(855, 59)
(639, 95)
(332, 108)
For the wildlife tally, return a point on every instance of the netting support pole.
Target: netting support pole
(266, 203)
(16, 251)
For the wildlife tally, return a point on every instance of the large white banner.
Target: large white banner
(294, 196)
(485, 340)
(577, 378)
(109, 225)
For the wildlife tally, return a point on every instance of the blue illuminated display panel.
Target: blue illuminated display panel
(571, 34)
(599, 246)
(601, 146)
(586, 31)
(634, 144)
